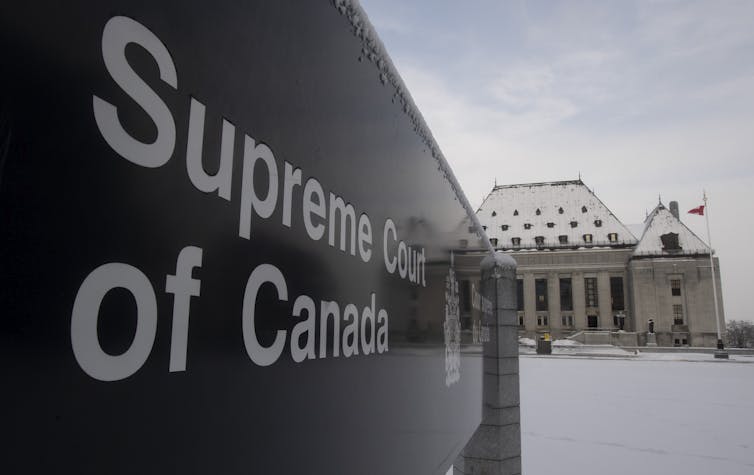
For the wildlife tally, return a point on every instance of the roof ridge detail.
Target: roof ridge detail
(542, 183)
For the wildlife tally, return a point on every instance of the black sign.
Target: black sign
(225, 246)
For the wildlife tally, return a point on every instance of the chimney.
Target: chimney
(674, 209)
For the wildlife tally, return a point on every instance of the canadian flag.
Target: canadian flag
(698, 210)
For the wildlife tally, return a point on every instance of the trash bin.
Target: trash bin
(544, 346)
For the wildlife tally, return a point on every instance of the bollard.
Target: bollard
(495, 447)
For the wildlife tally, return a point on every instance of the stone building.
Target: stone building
(583, 273)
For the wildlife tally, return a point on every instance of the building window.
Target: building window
(464, 297)
(574, 224)
(612, 237)
(538, 212)
(493, 241)
(515, 212)
(677, 314)
(550, 225)
(516, 241)
(519, 295)
(504, 227)
(542, 320)
(670, 242)
(616, 293)
(598, 223)
(567, 320)
(592, 321)
(520, 320)
(527, 226)
(587, 238)
(563, 239)
(540, 291)
(583, 209)
(566, 294)
(675, 287)
(539, 241)
(590, 291)
(494, 213)
(560, 210)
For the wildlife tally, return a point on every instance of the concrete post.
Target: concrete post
(495, 447)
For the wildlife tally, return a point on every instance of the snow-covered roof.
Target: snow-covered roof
(662, 222)
(550, 210)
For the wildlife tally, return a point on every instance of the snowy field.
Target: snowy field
(643, 415)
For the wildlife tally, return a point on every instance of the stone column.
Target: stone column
(553, 300)
(495, 447)
(604, 300)
(579, 301)
(530, 303)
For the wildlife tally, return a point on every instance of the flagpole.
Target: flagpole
(720, 353)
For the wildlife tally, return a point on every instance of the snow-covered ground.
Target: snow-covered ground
(643, 414)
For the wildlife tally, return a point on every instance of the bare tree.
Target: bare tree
(740, 334)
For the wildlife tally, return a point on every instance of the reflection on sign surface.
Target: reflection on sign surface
(224, 247)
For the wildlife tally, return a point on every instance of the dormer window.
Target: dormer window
(527, 226)
(539, 241)
(504, 227)
(515, 212)
(550, 225)
(612, 237)
(560, 211)
(583, 209)
(587, 238)
(574, 224)
(563, 239)
(493, 241)
(516, 241)
(494, 213)
(538, 212)
(598, 223)
(670, 242)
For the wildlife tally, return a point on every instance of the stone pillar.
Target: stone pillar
(579, 301)
(553, 300)
(530, 303)
(604, 300)
(495, 447)
(628, 308)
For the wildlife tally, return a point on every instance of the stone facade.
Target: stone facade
(569, 284)
(652, 296)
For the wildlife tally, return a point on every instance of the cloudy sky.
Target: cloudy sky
(645, 99)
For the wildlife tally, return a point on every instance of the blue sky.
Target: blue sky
(643, 98)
